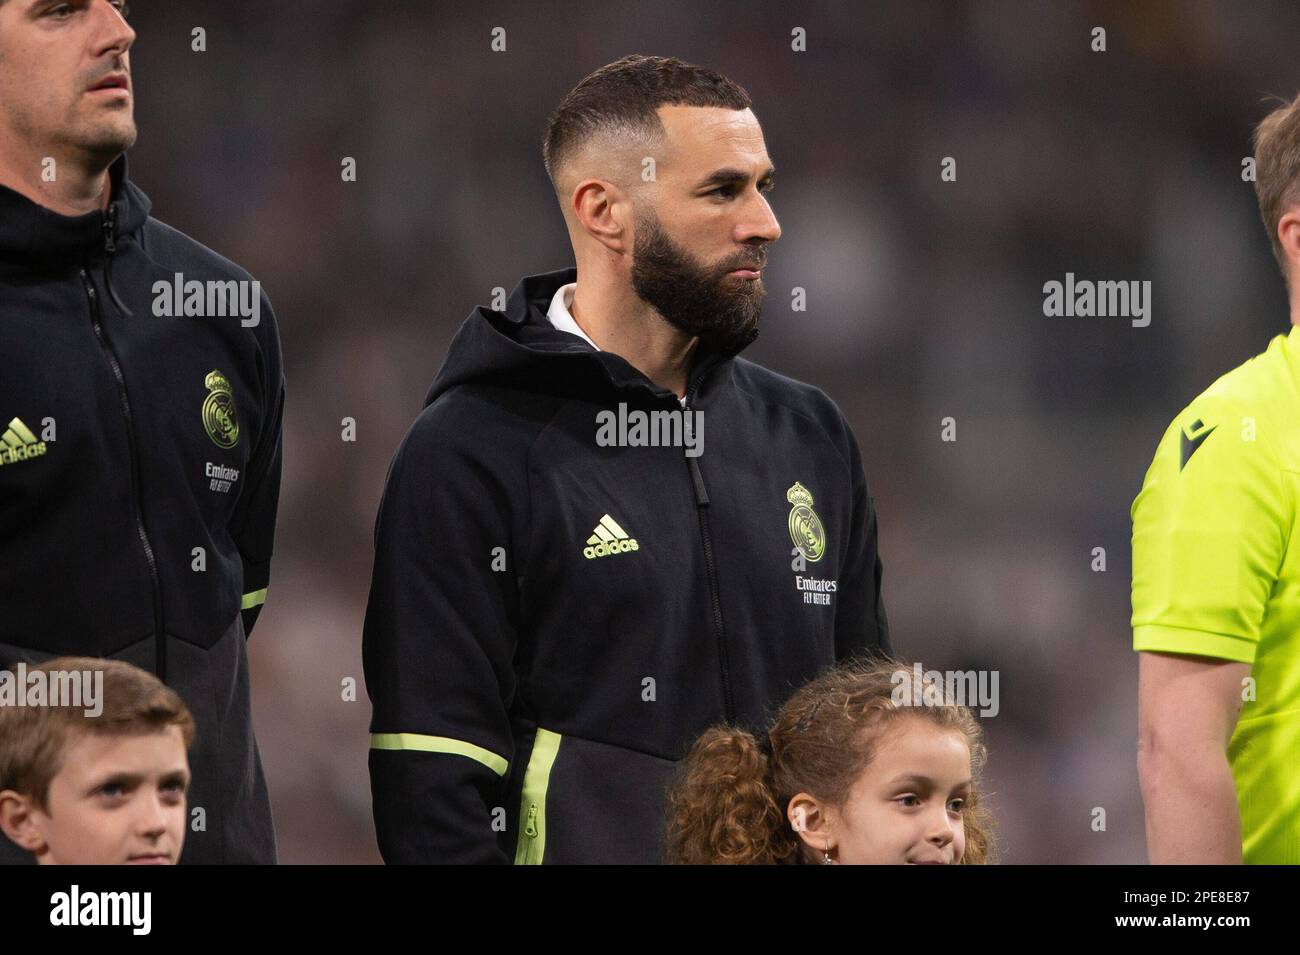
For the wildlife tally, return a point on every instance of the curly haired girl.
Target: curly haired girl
(845, 774)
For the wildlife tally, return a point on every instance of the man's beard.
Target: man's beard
(696, 298)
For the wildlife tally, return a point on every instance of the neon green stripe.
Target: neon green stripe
(532, 839)
(440, 744)
(255, 599)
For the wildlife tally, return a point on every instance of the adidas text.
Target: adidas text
(17, 443)
(609, 539)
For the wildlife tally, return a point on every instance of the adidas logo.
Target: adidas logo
(19, 444)
(608, 538)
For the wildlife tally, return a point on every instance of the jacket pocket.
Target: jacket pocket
(599, 803)
(531, 846)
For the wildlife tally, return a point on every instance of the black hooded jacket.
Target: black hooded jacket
(553, 620)
(139, 476)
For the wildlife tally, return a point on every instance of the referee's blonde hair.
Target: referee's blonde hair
(1277, 172)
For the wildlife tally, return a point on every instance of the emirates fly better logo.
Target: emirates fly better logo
(809, 539)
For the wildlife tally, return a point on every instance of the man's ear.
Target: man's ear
(813, 821)
(605, 211)
(1288, 234)
(18, 823)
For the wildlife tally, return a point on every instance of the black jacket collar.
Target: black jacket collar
(29, 232)
(520, 347)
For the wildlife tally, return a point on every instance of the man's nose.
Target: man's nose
(112, 33)
(759, 222)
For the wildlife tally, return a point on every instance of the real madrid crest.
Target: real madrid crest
(805, 529)
(219, 417)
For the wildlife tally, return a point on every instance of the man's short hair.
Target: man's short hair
(622, 98)
(33, 738)
(1277, 171)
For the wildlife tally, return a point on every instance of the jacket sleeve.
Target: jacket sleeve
(860, 623)
(254, 519)
(438, 648)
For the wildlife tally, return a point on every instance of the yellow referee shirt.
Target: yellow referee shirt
(1214, 572)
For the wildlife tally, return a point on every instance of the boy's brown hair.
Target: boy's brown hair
(1277, 172)
(33, 738)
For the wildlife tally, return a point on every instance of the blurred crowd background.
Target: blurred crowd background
(924, 302)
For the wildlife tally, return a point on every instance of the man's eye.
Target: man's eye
(729, 192)
(60, 12)
(908, 801)
(111, 790)
(123, 8)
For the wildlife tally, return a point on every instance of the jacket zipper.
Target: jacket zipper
(701, 507)
(530, 833)
(530, 849)
(160, 649)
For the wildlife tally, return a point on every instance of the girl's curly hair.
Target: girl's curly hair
(728, 802)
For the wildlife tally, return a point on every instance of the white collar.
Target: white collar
(562, 318)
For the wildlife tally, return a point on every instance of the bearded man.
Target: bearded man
(559, 607)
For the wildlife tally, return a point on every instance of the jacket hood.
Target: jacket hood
(519, 347)
(29, 232)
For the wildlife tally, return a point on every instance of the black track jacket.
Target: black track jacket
(552, 621)
(139, 475)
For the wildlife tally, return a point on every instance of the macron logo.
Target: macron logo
(1193, 436)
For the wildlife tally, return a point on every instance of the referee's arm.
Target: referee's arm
(1210, 530)
(1187, 710)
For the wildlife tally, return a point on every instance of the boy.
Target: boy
(99, 782)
